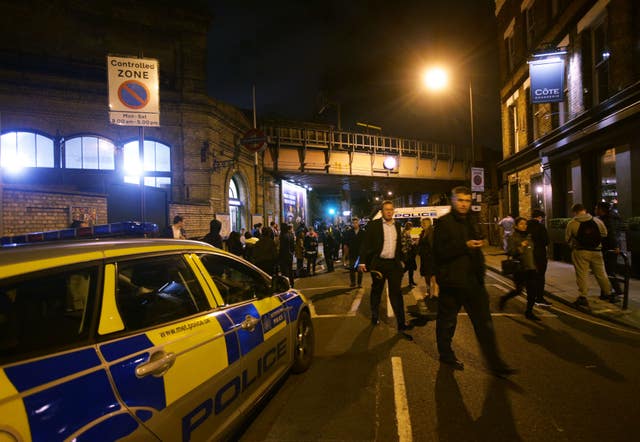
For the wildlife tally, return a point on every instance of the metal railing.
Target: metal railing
(361, 142)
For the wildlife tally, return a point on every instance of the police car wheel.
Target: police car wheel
(305, 343)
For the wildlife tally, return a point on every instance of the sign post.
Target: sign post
(134, 100)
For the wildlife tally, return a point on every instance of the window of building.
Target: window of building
(157, 164)
(235, 204)
(536, 192)
(513, 129)
(557, 6)
(25, 149)
(529, 26)
(600, 56)
(89, 153)
(509, 46)
(608, 188)
(510, 51)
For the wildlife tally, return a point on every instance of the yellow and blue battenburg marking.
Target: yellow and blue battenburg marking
(63, 408)
(293, 301)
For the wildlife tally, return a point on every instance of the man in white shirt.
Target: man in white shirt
(380, 253)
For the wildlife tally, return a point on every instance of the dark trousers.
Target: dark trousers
(539, 280)
(392, 274)
(476, 303)
(311, 262)
(329, 259)
(353, 273)
(610, 264)
(286, 268)
(526, 278)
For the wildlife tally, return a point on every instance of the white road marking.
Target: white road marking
(500, 287)
(400, 397)
(356, 302)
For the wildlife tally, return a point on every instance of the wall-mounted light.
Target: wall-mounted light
(390, 163)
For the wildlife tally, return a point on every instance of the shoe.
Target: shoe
(614, 299)
(374, 321)
(581, 302)
(503, 372)
(543, 302)
(453, 362)
(531, 316)
(405, 327)
(503, 301)
(405, 335)
(605, 297)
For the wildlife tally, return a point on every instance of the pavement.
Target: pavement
(561, 287)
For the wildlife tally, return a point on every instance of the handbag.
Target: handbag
(510, 266)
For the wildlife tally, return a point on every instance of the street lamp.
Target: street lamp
(436, 79)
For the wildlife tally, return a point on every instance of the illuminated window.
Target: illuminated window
(25, 149)
(89, 153)
(157, 164)
(235, 205)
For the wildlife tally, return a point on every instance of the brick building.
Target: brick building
(61, 158)
(582, 147)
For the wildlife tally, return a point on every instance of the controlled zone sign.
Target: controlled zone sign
(134, 98)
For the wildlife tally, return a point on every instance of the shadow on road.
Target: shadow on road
(455, 423)
(568, 348)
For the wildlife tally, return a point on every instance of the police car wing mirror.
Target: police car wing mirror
(280, 283)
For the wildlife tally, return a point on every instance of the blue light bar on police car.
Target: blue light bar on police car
(125, 228)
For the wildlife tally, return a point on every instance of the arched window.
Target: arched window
(89, 153)
(25, 149)
(235, 204)
(157, 164)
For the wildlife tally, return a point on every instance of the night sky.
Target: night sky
(366, 55)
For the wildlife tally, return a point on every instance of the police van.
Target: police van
(138, 338)
(415, 214)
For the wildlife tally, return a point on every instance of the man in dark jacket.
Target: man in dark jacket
(380, 253)
(610, 250)
(286, 251)
(457, 249)
(540, 237)
(213, 237)
(352, 242)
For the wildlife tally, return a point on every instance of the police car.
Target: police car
(139, 339)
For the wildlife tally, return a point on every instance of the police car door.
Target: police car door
(174, 352)
(262, 322)
(53, 384)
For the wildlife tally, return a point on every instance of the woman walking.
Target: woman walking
(520, 247)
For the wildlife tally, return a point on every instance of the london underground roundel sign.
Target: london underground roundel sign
(255, 140)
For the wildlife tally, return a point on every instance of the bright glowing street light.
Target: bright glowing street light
(435, 79)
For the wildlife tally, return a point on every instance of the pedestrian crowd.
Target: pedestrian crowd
(450, 261)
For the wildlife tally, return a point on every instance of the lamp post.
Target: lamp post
(436, 79)
(473, 147)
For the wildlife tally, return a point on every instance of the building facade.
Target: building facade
(581, 147)
(62, 159)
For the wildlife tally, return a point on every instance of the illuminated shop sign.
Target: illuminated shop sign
(547, 80)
